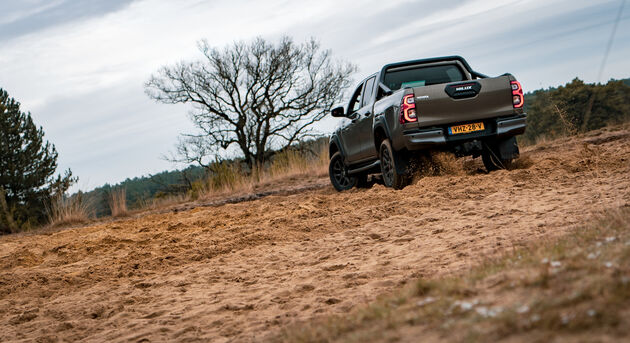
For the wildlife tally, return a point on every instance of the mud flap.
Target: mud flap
(508, 148)
(402, 159)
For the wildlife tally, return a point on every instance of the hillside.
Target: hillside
(552, 112)
(142, 190)
(246, 271)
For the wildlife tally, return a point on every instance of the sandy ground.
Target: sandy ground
(240, 272)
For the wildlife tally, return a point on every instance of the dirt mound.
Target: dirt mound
(241, 271)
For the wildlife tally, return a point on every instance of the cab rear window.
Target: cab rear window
(417, 76)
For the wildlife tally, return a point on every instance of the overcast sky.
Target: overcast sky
(79, 65)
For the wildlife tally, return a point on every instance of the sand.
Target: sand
(242, 271)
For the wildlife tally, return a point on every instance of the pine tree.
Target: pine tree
(27, 169)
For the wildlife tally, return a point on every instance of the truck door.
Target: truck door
(350, 138)
(365, 120)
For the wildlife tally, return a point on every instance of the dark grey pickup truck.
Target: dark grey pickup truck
(431, 104)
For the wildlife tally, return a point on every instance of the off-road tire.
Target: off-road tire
(339, 174)
(391, 177)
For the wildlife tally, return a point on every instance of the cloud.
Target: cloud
(445, 18)
(24, 17)
(113, 133)
(80, 66)
(18, 11)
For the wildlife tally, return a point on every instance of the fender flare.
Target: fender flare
(334, 140)
(381, 123)
(401, 157)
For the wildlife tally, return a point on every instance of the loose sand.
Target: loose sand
(240, 272)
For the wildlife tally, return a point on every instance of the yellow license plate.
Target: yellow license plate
(466, 128)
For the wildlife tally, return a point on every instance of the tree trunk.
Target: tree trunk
(7, 224)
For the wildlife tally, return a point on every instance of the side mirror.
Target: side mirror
(337, 112)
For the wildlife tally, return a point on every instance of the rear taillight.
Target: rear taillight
(517, 94)
(408, 109)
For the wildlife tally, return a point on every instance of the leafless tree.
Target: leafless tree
(258, 96)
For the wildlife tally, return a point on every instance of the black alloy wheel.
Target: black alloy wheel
(339, 174)
(391, 177)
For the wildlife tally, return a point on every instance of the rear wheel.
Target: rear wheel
(492, 158)
(391, 177)
(339, 173)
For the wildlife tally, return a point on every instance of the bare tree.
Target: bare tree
(257, 96)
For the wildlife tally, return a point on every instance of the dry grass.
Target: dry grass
(575, 286)
(69, 210)
(229, 178)
(289, 163)
(161, 202)
(118, 202)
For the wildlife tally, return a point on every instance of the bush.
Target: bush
(575, 107)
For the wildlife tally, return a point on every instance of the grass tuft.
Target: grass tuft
(118, 202)
(69, 210)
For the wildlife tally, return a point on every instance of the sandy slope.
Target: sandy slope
(239, 272)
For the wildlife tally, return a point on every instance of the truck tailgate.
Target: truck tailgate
(467, 101)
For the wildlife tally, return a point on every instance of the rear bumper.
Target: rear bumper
(511, 127)
(419, 139)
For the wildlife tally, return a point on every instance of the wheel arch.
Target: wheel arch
(380, 134)
(333, 147)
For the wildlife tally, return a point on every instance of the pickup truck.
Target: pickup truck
(412, 107)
